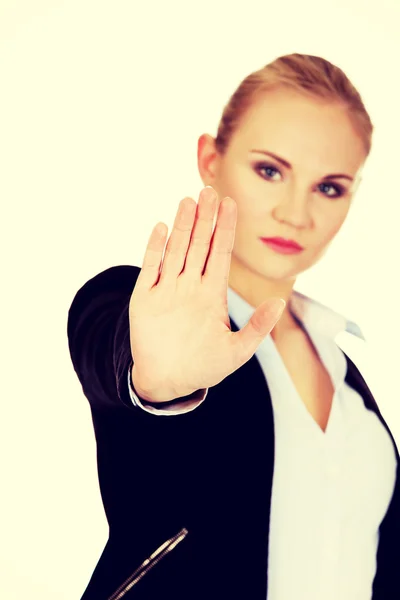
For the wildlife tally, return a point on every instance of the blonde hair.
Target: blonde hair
(303, 73)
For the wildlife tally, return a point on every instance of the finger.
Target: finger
(216, 273)
(151, 264)
(177, 245)
(261, 323)
(199, 245)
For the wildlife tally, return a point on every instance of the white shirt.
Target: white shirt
(330, 489)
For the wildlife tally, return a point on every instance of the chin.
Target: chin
(274, 267)
(275, 272)
(280, 275)
(278, 270)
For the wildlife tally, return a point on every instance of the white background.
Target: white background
(101, 106)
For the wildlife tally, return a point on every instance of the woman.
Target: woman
(241, 454)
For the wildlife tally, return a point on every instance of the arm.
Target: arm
(147, 463)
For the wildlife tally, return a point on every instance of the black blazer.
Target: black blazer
(208, 471)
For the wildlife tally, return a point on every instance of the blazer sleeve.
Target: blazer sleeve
(153, 447)
(98, 336)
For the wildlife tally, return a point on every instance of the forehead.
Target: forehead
(308, 132)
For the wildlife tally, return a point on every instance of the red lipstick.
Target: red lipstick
(282, 245)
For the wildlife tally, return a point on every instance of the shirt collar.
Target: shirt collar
(311, 313)
(316, 315)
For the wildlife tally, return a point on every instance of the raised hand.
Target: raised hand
(180, 335)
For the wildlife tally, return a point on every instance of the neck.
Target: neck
(255, 289)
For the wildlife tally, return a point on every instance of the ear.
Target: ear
(207, 159)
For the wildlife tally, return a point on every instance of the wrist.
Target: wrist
(150, 394)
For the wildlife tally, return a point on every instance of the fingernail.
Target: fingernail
(279, 307)
(210, 197)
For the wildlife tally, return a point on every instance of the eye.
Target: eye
(338, 188)
(266, 167)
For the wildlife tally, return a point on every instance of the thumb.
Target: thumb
(261, 323)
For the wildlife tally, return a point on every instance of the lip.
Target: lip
(282, 245)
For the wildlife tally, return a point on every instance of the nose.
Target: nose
(293, 208)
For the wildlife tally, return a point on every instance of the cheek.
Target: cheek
(248, 210)
(328, 224)
(242, 187)
(252, 206)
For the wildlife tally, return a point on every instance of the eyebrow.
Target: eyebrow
(286, 164)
